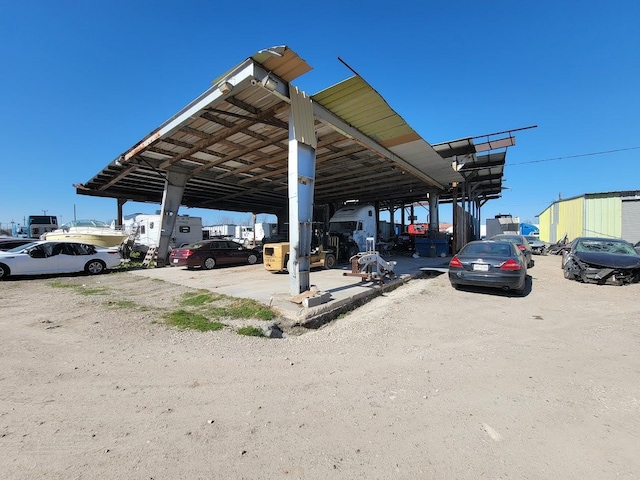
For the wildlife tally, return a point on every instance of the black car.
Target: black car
(7, 243)
(488, 263)
(598, 260)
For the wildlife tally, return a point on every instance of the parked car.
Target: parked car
(7, 243)
(521, 242)
(489, 263)
(42, 257)
(558, 247)
(208, 254)
(610, 261)
(538, 247)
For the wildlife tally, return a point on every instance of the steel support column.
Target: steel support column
(301, 182)
(434, 215)
(119, 218)
(456, 227)
(376, 209)
(392, 220)
(171, 200)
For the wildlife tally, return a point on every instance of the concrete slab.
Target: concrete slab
(253, 281)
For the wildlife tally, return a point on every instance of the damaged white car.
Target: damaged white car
(601, 260)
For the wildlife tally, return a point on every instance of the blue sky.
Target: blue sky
(84, 81)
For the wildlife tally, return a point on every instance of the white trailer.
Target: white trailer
(260, 231)
(147, 231)
(502, 224)
(265, 230)
(224, 230)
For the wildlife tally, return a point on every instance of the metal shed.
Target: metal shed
(606, 214)
(239, 145)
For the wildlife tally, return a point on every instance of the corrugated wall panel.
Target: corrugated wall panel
(555, 215)
(544, 222)
(631, 220)
(302, 116)
(603, 216)
(570, 218)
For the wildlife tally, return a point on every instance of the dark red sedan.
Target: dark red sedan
(208, 254)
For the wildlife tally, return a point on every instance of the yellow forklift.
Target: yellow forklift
(276, 256)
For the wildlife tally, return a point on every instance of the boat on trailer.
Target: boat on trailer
(93, 232)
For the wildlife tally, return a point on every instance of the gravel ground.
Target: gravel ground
(423, 382)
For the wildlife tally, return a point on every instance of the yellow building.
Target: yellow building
(610, 214)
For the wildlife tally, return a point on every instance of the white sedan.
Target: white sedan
(41, 257)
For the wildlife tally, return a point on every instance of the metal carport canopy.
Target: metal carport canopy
(232, 142)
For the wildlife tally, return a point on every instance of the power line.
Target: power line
(576, 156)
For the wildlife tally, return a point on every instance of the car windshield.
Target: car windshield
(84, 223)
(532, 239)
(193, 246)
(605, 246)
(508, 238)
(488, 248)
(345, 228)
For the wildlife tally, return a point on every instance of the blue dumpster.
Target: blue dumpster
(432, 247)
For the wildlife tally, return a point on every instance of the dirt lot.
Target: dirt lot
(424, 382)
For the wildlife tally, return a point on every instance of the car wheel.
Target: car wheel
(329, 261)
(4, 271)
(353, 250)
(95, 267)
(209, 263)
(568, 274)
(252, 259)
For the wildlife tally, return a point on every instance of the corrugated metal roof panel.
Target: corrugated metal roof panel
(355, 101)
(420, 154)
(234, 147)
(282, 61)
(360, 105)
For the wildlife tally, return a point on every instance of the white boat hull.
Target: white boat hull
(103, 240)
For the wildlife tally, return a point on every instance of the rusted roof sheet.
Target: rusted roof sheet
(281, 60)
